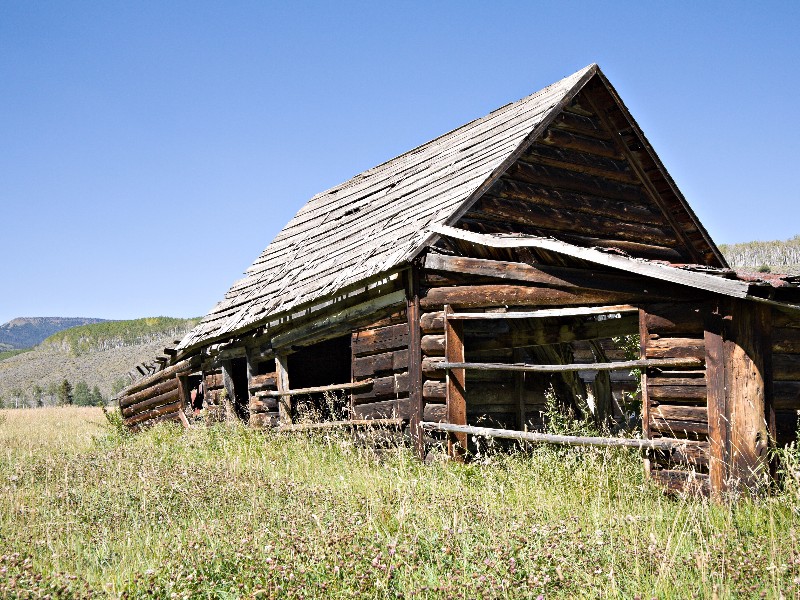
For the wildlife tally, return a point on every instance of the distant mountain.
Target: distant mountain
(100, 354)
(26, 332)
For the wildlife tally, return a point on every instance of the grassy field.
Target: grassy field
(225, 512)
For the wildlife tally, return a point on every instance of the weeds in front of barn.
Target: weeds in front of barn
(224, 511)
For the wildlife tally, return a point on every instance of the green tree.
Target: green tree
(52, 392)
(65, 397)
(19, 397)
(82, 394)
(97, 397)
(38, 396)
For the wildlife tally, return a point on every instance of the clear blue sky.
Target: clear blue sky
(150, 150)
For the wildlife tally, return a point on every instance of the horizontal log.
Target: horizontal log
(675, 348)
(316, 390)
(785, 340)
(432, 322)
(786, 395)
(151, 414)
(382, 387)
(682, 482)
(167, 397)
(372, 341)
(681, 378)
(786, 367)
(669, 412)
(675, 428)
(171, 416)
(433, 391)
(546, 313)
(674, 318)
(636, 249)
(432, 345)
(607, 366)
(352, 424)
(230, 353)
(575, 182)
(689, 452)
(587, 164)
(179, 367)
(156, 390)
(380, 363)
(263, 404)
(387, 409)
(268, 380)
(528, 214)
(436, 413)
(548, 438)
(583, 125)
(470, 296)
(564, 139)
(263, 420)
(430, 368)
(663, 393)
(786, 318)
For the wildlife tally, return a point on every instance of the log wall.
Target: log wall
(786, 374)
(381, 352)
(674, 399)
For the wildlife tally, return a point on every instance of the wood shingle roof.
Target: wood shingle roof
(379, 219)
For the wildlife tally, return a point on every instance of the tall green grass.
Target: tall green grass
(226, 512)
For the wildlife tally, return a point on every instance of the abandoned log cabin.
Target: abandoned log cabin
(470, 281)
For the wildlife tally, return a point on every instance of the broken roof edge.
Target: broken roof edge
(639, 266)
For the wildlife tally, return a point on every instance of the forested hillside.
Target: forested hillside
(26, 332)
(779, 255)
(89, 356)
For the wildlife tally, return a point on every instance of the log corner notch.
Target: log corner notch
(738, 359)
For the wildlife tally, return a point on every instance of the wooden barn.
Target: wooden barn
(469, 281)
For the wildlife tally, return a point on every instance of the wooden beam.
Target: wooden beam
(610, 366)
(456, 379)
(285, 403)
(744, 358)
(547, 313)
(356, 423)
(184, 365)
(315, 390)
(415, 360)
(664, 444)
(227, 383)
(718, 417)
(703, 281)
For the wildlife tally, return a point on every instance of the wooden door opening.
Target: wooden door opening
(324, 363)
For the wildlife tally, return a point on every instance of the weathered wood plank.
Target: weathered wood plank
(166, 398)
(785, 340)
(387, 409)
(470, 296)
(621, 365)
(393, 337)
(674, 319)
(382, 387)
(368, 366)
(156, 390)
(676, 348)
(285, 402)
(455, 385)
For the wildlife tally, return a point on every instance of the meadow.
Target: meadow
(226, 512)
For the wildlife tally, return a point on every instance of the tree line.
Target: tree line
(62, 393)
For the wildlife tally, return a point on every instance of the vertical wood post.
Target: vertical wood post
(718, 417)
(227, 382)
(456, 402)
(643, 337)
(415, 360)
(519, 389)
(252, 370)
(186, 399)
(744, 356)
(284, 402)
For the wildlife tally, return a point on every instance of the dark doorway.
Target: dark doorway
(241, 399)
(325, 363)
